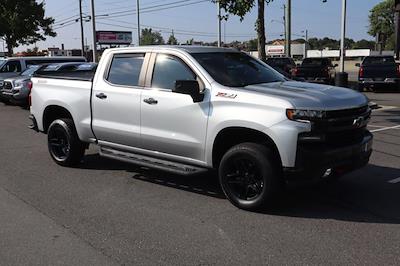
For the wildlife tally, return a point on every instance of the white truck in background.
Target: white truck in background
(187, 109)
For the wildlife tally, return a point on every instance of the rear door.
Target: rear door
(116, 99)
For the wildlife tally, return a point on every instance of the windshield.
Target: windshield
(2, 61)
(235, 69)
(29, 71)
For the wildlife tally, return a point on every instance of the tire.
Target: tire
(360, 88)
(250, 176)
(64, 145)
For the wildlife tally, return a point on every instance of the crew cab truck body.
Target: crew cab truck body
(378, 72)
(190, 109)
(316, 70)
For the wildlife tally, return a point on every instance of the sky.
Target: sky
(199, 20)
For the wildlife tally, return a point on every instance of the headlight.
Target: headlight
(304, 115)
(18, 84)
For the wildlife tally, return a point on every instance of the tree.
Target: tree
(148, 37)
(23, 22)
(381, 21)
(241, 8)
(172, 40)
(364, 44)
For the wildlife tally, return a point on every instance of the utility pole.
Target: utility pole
(306, 43)
(219, 23)
(397, 28)
(288, 28)
(94, 34)
(82, 34)
(138, 21)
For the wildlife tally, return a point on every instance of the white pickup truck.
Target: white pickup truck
(190, 109)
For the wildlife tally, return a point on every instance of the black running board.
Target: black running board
(150, 162)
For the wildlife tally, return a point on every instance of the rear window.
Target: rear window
(278, 61)
(389, 60)
(125, 69)
(316, 62)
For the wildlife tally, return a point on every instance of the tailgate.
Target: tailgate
(380, 72)
(311, 72)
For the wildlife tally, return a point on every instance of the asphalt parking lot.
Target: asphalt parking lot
(106, 212)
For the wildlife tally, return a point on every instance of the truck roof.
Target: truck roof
(187, 48)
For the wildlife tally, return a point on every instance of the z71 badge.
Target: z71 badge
(226, 95)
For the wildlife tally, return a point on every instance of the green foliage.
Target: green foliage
(241, 8)
(23, 22)
(327, 43)
(150, 37)
(364, 44)
(381, 20)
(172, 40)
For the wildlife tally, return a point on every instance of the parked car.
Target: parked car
(318, 70)
(190, 109)
(12, 66)
(283, 65)
(17, 89)
(378, 72)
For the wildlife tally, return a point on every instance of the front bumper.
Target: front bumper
(315, 161)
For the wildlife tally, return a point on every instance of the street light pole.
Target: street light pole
(219, 23)
(138, 21)
(82, 34)
(342, 41)
(94, 34)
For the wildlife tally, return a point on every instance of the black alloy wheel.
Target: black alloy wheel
(249, 176)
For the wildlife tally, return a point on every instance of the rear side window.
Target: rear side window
(125, 69)
(379, 60)
(11, 66)
(169, 69)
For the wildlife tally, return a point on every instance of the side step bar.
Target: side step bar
(150, 162)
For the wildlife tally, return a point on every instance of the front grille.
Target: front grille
(341, 127)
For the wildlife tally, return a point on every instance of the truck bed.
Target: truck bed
(48, 90)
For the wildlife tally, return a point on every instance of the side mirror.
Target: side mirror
(189, 87)
(358, 65)
(335, 65)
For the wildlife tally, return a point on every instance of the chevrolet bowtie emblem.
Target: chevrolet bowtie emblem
(358, 121)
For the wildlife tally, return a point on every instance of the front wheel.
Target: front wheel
(249, 176)
(64, 145)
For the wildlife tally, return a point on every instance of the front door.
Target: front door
(171, 122)
(116, 100)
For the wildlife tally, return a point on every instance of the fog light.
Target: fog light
(328, 172)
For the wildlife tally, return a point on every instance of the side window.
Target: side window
(12, 66)
(168, 69)
(125, 69)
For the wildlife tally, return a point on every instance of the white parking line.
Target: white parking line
(376, 126)
(385, 107)
(385, 128)
(394, 181)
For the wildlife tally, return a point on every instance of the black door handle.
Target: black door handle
(101, 95)
(150, 101)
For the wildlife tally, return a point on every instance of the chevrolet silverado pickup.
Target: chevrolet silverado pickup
(316, 70)
(187, 110)
(378, 72)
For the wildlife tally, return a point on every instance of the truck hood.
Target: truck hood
(304, 95)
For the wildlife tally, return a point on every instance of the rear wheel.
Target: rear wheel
(64, 145)
(249, 176)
